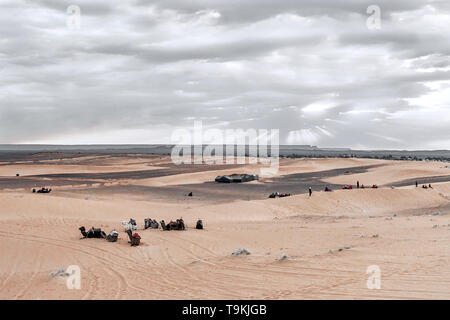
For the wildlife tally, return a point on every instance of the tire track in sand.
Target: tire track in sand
(73, 248)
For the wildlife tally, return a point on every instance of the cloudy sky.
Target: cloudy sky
(135, 70)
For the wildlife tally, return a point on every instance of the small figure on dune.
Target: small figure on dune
(310, 191)
(327, 189)
(357, 184)
(199, 224)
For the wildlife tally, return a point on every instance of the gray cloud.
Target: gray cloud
(136, 70)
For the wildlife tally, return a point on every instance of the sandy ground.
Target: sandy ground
(330, 239)
(395, 171)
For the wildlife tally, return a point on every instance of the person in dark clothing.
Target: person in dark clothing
(357, 184)
(199, 225)
(310, 191)
(417, 184)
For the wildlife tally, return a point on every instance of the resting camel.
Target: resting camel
(135, 239)
(173, 225)
(92, 233)
(151, 224)
(112, 236)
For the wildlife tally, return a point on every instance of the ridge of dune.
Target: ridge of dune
(339, 202)
(396, 171)
(288, 166)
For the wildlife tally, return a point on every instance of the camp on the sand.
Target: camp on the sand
(42, 190)
(279, 195)
(236, 178)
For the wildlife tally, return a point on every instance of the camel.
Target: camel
(151, 224)
(130, 225)
(92, 233)
(173, 225)
(112, 236)
(135, 239)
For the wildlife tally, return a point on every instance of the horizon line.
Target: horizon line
(172, 144)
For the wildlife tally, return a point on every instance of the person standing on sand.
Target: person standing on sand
(417, 184)
(310, 191)
(357, 184)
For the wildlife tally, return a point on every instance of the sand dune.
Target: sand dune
(52, 169)
(394, 171)
(405, 231)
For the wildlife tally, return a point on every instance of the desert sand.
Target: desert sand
(329, 239)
